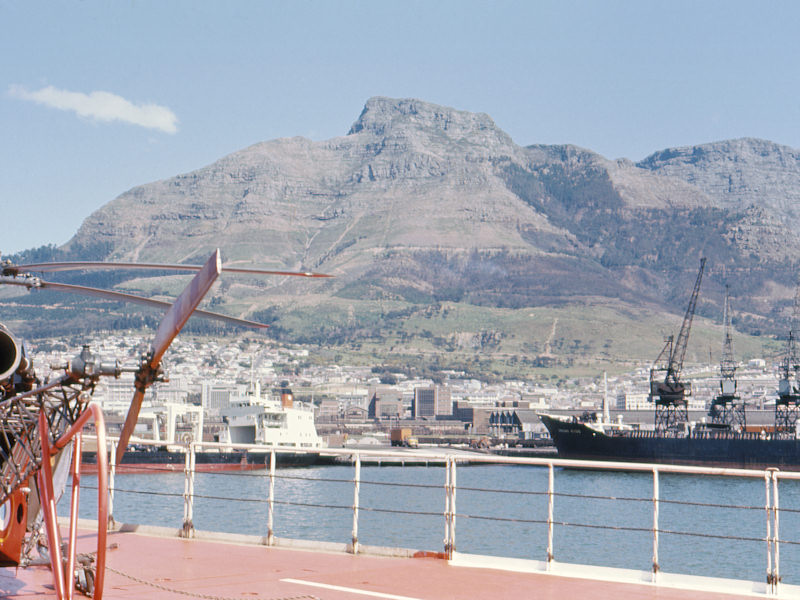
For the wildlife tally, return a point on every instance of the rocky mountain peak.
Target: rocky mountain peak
(383, 115)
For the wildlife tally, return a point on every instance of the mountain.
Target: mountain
(420, 205)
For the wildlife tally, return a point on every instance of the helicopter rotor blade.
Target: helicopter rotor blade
(171, 324)
(83, 290)
(53, 267)
(130, 424)
(184, 306)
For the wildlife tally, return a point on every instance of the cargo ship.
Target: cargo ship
(702, 445)
(725, 441)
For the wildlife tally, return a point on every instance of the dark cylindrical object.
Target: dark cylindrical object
(10, 354)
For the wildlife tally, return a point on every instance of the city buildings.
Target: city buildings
(218, 375)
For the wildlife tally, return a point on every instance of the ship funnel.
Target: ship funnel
(10, 354)
(287, 399)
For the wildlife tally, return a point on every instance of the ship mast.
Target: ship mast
(669, 395)
(787, 406)
(725, 409)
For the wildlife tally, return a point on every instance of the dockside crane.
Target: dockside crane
(787, 405)
(669, 395)
(726, 410)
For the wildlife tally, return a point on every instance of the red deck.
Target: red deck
(229, 570)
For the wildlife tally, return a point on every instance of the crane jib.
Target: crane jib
(679, 349)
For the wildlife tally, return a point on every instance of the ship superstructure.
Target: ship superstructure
(283, 423)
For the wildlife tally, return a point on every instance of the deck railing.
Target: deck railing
(771, 541)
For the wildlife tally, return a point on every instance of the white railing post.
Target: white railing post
(111, 481)
(776, 530)
(188, 494)
(776, 574)
(453, 490)
(655, 524)
(271, 500)
(768, 538)
(550, 512)
(356, 493)
(447, 506)
(450, 507)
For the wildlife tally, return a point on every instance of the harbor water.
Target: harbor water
(712, 526)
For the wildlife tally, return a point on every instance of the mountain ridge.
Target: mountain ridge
(420, 203)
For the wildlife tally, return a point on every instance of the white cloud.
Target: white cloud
(101, 106)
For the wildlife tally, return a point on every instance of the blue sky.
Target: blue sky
(97, 97)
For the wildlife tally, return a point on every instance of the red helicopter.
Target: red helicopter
(41, 421)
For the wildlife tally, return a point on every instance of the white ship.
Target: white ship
(284, 423)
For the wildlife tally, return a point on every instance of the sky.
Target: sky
(97, 97)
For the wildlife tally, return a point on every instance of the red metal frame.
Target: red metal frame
(65, 585)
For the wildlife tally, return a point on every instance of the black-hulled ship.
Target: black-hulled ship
(722, 442)
(715, 447)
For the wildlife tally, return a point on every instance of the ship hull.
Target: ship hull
(576, 440)
(157, 461)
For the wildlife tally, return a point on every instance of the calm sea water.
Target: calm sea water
(501, 511)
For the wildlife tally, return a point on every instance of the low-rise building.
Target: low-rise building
(517, 423)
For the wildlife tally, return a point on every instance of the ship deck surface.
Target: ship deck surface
(154, 566)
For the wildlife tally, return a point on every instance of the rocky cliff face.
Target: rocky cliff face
(737, 173)
(420, 202)
(756, 181)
